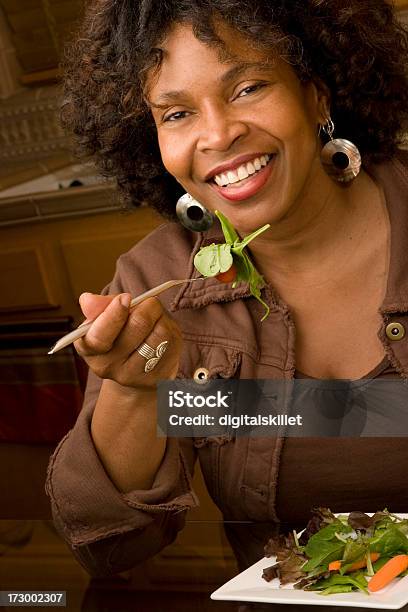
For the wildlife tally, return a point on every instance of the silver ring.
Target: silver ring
(152, 355)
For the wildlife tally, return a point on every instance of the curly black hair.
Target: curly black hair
(357, 48)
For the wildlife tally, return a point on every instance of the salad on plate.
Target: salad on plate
(341, 554)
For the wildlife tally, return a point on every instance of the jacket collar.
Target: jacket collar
(393, 177)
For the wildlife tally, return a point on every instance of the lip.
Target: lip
(233, 164)
(251, 187)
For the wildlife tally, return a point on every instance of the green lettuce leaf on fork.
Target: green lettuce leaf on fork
(217, 258)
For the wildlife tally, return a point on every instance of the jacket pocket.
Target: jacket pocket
(220, 361)
(216, 362)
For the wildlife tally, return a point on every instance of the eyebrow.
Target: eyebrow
(232, 73)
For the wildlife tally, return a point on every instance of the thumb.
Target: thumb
(92, 305)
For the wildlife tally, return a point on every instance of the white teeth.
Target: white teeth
(232, 177)
(251, 168)
(241, 173)
(221, 180)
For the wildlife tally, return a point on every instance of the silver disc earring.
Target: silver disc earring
(340, 158)
(193, 215)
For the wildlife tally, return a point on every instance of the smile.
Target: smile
(242, 172)
(246, 180)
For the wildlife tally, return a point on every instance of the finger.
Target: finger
(105, 328)
(162, 358)
(141, 321)
(110, 326)
(93, 305)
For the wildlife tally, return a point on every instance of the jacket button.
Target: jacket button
(395, 331)
(201, 375)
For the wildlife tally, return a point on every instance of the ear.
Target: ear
(320, 98)
(323, 100)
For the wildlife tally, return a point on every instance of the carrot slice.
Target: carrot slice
(334, 566)
(393, 568)
(360, 564)
(374, 556)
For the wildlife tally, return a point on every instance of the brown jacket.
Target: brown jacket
(109, 531)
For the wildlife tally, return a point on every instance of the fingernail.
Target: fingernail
(82, 295)
(125, 300)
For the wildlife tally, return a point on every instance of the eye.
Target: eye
(175, 116)
(250, 89)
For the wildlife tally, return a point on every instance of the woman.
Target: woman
(234, 103)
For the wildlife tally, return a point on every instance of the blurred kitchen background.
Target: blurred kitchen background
(61, 231)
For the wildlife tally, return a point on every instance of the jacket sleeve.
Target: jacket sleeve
(109, 531)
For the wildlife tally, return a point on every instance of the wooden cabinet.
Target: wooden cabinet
(45, 266)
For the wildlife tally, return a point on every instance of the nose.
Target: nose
(219, 129)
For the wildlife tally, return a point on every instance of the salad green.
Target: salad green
(218, 258)
(335, 554)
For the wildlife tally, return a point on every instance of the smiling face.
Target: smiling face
(240, 136)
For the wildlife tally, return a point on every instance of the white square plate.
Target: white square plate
(249, 586)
